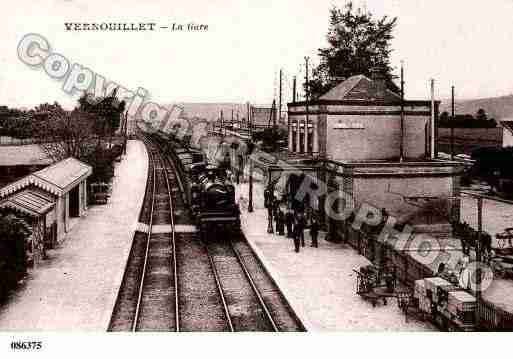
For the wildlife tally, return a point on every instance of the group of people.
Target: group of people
(295, 222)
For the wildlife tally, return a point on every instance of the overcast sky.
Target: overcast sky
(465, 43)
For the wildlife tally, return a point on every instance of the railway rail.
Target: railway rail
(174, 281)
(252, 300)
(148, 296)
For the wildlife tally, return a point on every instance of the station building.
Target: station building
(19, 161)
(351, 139)
(48, 200)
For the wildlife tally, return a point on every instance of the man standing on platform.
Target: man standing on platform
(289, 220)
(280, 222)
(300, 225)
(314, 231)
(297, 237)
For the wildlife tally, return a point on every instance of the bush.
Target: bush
(13, 234)
(102, 161)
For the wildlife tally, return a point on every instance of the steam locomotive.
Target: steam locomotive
(211, 193)
(213, 201)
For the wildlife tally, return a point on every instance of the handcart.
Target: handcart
(375, 283)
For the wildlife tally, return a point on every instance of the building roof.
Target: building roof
(357, 87)
(24, 155)
(56, 179)
(33, 202)
(508, 125)
(65, 172)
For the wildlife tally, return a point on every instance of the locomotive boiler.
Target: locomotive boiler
(213, 202)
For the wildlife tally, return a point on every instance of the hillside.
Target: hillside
(496, 107)
(212, 111)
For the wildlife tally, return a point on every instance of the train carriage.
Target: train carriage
(211, 192)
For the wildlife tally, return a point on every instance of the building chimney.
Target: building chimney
(378, 85)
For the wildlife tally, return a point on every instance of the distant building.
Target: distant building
(47, 199)
(19, 161)
(507, 133)
(261, 117)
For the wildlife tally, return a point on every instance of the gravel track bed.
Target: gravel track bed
(126, 303)
(157, 308)
(282, 314)
(243, 305)
(201, 307)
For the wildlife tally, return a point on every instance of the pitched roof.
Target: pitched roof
(357, 87)
(56, 179)
(508, 125)
(65, 172)
(27, 155)
(33, 202)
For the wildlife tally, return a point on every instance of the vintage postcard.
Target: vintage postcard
(254, 166)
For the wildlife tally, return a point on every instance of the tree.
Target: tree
(481, 115)
(271, 138)
(357, 43)
(493, 164)
(13, 234)
(108, 111)
(62, 134)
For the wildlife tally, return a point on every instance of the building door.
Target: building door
(74, 202)
(294, 184)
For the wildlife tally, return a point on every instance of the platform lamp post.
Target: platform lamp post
(478, 255)
(270, 207)
(251, 147)
(234, 165)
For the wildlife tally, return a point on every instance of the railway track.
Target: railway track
(148, 296)
(252, 300)
(173, 281)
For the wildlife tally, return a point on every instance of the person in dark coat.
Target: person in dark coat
(314, 231)
(300, 225)
(297, 238)
(487, 243)
(280, 223)
(289, 221)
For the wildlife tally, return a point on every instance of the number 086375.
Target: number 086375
(26, 345)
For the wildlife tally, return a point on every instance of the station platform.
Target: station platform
(318, 282)
(76, 287)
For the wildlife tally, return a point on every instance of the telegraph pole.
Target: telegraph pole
(478, 244)
(294, 90)
(432, 124)
(274, 114)
(250, 205)
(401, 145)
(250, 145)
(307, 100)
(452, 123)
(279, 97)
(222, 123)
